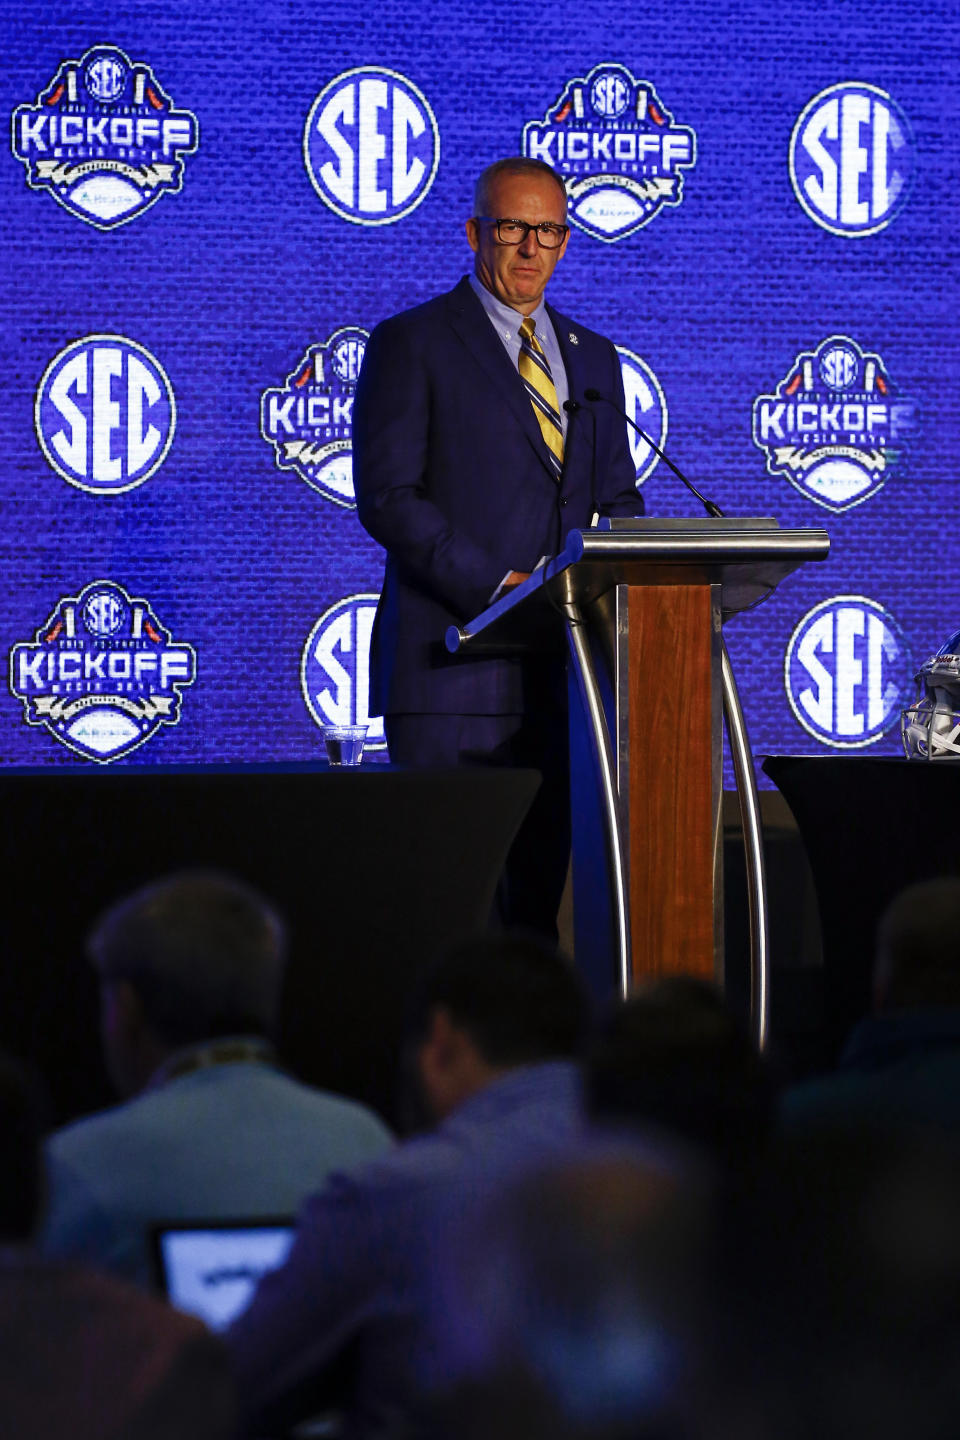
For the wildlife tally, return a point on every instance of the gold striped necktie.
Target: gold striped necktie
(535, 374)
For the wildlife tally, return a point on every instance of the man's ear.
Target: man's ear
(125, 1036)
(121, 1007)
(442, 1042)
(473, 234)
(444, 1063)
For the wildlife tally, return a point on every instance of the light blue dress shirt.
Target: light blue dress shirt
(506, 322)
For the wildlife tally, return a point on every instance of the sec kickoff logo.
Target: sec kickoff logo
(852, 159)
(616, 145)
(646, 404)
(105, 414)
(371, 145)
(836, 426)
(848, 672)
(335, 668)
(103, 674)
(309, 421)
(104, 139)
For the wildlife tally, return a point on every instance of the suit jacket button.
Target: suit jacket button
(563, 499)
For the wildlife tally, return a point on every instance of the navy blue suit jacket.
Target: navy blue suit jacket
(452, 478)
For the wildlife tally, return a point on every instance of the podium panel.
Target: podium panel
(672, 792)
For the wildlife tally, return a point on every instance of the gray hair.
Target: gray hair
(204, 952)
(512, 165)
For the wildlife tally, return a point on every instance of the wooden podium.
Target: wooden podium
(643, 604)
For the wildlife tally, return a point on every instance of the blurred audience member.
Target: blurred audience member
(576, 1306)
(83, 1355)
(904, 1059)
(672, 1058)
(494, 1032)
(840, 1311)
(190, 971)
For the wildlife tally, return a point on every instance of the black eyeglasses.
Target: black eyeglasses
(550, 236)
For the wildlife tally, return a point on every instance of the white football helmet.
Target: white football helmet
(931, 725)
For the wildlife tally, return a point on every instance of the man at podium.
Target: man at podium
(475, 453)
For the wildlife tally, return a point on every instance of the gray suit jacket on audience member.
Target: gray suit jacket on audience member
(230, 1141)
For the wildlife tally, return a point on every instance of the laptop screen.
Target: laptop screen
(212, 1270)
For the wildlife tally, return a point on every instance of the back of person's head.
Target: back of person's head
(576, 1302)
(519, 1001)
(842, 1286)
(203, 952)
(21, 1184)
(918, 948)
(673, 1057)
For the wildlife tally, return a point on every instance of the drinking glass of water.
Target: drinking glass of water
(344, 743)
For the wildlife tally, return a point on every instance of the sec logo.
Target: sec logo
(105, 76)
(335, 668)
(610, 94)
(839, 366)
(852, 159)
(105, 414)
(848, 671)
(103, 613)
(645, 403)
(371, 146)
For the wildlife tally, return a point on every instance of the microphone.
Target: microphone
(573, 407)
(708, 505)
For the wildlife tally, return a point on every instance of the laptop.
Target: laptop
(210, 1269)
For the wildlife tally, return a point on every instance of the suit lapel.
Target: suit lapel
(471, 323)
(565, 331)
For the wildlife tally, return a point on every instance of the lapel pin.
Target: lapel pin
(574, 339)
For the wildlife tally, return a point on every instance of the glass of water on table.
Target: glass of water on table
(344, 744)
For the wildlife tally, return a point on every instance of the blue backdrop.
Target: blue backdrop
(206, 208)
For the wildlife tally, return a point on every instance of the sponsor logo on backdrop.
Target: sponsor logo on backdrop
(104, 138)
(836, 426)
(335, 668)
(103, 673)
(647, 404)
(309, 420)
(618, 149)
(371, 145)
(852, 159)
(848, 671)
(105, 414)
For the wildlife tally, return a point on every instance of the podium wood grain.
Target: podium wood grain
(670, 791)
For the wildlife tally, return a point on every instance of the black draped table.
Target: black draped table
(870, 825)
(375, 869)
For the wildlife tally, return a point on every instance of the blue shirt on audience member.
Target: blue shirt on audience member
(359, 1271)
